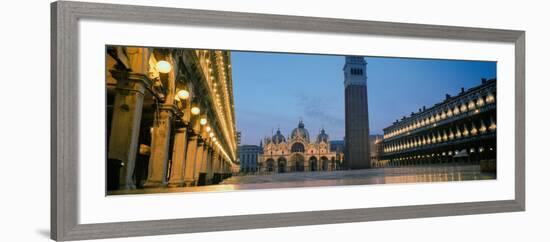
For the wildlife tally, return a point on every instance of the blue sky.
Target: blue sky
(275, 90)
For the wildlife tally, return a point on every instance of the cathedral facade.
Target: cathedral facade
(297, 152)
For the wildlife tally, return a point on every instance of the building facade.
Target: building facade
(357, 148)
(337, 146)
(375, 149)
(297, 153)
(170, 117)
(249, 156)
(458, 129)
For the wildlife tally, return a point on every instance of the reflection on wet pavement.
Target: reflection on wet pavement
(335, 178)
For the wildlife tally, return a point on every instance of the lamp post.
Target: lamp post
(180, 98)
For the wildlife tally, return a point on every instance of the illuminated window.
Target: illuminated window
(463, 108)
(474, 129)
(449, 113)
(493, 125)
(466, 132)
(458, 135)
(490, 98)
(480, 102)
(471, 105)
(456, 111)
(482, 128)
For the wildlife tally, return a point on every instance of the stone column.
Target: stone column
(221, 169)
(216, 167)
(198, 160)
(160, 143)
(210, 165)
(204, 164)
(189, 169)
(205, 158)
(178, 157)
(125, 125)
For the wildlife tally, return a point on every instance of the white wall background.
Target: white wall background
(25, 31)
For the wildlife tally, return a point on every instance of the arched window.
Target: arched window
(297, 147)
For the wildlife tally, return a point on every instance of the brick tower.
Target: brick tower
(357, 153)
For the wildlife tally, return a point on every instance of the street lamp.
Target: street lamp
(208, 129)
(195, 110)
(164, 66)
(182, 94)
(203, 121)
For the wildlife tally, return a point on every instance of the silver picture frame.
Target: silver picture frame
(65, 109)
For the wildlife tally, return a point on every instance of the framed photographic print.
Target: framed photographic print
(168, 120)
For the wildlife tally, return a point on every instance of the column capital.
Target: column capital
(192, 136)
(131, 76)
(179, 121)
(178, 129)
(200, 141)
(169, 108)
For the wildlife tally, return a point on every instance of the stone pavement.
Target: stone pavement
(419, 174)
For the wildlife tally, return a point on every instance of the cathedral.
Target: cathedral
(297, 152)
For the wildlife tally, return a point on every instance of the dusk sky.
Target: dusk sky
(275, 90)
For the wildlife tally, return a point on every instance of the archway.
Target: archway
(324, 163)
(270, 165)
(313, 163)
(298, 162)
(281, 165)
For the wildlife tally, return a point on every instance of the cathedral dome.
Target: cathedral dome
(278, 137)
(322, 137)
(300, 132)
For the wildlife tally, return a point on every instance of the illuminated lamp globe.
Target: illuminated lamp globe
(195, 110)
(182, 95)
(203, 121)
(208, 128)
(213, 138)
(211, 134)
(164, 66)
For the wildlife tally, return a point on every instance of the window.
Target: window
(297, 147)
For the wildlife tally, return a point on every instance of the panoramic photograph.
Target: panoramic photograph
(201, 120)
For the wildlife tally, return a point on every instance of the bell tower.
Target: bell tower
(357, 148)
